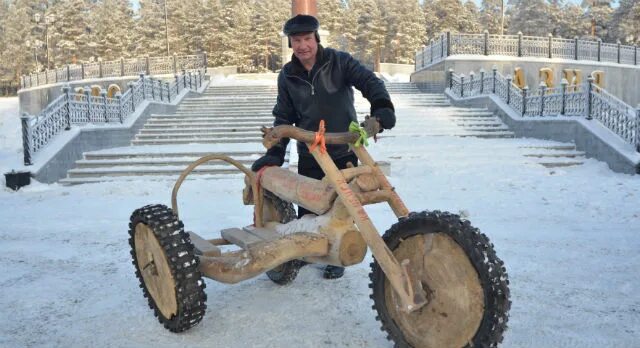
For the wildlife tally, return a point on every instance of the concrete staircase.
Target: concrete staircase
(227, 119)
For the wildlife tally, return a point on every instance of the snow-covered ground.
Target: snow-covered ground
(569, 237)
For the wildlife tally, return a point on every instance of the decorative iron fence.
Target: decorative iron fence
(8, 88)
(83, 108)
(448, 44)
(584, 100)
(116, 68)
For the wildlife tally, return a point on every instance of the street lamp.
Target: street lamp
(49, 19)
(166, 28)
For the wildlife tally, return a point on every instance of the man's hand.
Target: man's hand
(386, 117)
(273, 157)
(371, 125)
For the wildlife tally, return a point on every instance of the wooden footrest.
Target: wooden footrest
(244, 237)
(203, 247)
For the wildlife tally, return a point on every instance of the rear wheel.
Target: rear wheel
(167, 267)
(281, 211)
(465, 282)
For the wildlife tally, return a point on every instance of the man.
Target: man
(314, 86)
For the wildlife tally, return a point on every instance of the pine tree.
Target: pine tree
(329, 15)
(371, 32)
(626, 21)
(150, 30)
(491, 15)
(112, 29)
(469, 21)
(531, 17)
(70, 32)
(349, 20)
(409, 35)
(598, 14)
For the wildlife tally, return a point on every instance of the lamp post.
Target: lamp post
(166, 27)
(48, 20)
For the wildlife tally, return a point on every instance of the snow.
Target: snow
(569, 238)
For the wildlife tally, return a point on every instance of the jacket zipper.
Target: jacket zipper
(313, 80)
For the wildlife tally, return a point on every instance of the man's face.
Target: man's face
(304, 46)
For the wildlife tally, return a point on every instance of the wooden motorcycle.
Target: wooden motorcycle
(436, 280)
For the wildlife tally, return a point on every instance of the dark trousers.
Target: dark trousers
(308, 166)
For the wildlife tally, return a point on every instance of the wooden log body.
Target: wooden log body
(314, 195)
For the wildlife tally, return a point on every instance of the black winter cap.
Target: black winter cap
(301, 24)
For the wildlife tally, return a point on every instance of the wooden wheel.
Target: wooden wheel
(167, 267)
(465, 283)
(156, 274)
(456, 302)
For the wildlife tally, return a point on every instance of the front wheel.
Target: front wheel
(465, 282)
(167, 267)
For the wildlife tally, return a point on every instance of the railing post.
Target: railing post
(481, 81)
(450, 79)
(120, 107)
(175, 63)
(424, 53)
(461, 85)
(177, 84)
(22, 81)
(56, 70)
(509, 79)
(190, 82)
(103, 94)
(576, 44)
(589, 97)
(82, 70)
(133, 96)
(87, 94)
(168, 92)
(564, 84)
(525, 90)
(46, 76)
(448, 37)
(121, 67)
(25, 119)
(153, 93)
(184, 74)
(550, 45)
(638, 128)
(472, 76)
(144, 92)
(431, 43)
(100, 67)
(519, 44)
(599, 49)
(543, 88)
(146, 64)
(618, 42)
(495, 76)
(68, 74)
(30, 80)
(206, 63)
(38, 78)
(635, 55)
(486, 42)
(66, 89)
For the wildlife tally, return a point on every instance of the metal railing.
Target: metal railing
(448, 44)
(116, 68)
(586, 100)
(83, 108)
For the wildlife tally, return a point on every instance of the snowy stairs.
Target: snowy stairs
(227, 119)
(223, 120)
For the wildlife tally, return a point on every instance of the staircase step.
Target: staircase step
(155, 162)
(201, 135)
(191, 130)
(195, 141)
(89, 156)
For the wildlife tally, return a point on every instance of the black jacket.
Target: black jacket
(325, 93)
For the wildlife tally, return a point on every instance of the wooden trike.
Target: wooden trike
(436, 280)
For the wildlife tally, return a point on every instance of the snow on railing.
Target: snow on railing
(448, 44)
(83, 108)
(586, 100)
(116, 68)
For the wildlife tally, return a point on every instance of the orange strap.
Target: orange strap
(319, 139)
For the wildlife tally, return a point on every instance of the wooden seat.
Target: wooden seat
(246, 236)
(203, 247)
